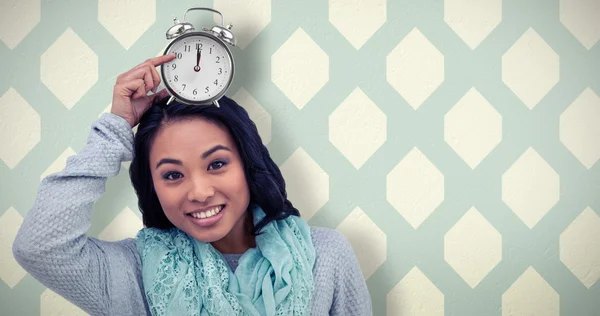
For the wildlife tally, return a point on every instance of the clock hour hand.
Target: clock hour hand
(198, 56)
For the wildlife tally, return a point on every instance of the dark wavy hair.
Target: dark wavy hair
(265, 181)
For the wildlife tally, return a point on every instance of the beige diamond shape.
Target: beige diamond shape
(530, 187)
(415, 187)
(473, 247)
(530, 295)
(344, 15)
(580, 128)
(116, 16)
(580, 247)
(10, 270)
(530, 68)
(415, 295)
(581, 18)
(69, 78)
(473, 128)
(300, 68)
(20, 130)
(357, 128)
(415, 68)
(473, 20)
(17, 19)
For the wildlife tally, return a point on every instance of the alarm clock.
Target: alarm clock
(203, 68)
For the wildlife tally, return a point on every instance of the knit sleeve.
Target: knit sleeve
(52, 244)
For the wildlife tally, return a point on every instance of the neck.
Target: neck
(239, 239)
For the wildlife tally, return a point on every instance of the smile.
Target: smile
(208, 213)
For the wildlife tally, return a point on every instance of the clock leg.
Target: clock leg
(170, 100)
(216, 103)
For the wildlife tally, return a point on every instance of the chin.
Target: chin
(207, 237)
(207, 234)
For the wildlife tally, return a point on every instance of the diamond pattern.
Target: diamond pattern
(399, 102)
(116, 17)
(344, 14)
(473, 247)
(581, 18)
(415, 68)
(300, 68)
(248, 18)
(473, 20)
(23, 13)
(415, 295)
(10, 271)
(530, 68)
(367, 239)
(530, 295)
(530, 187)
(69, 78)
(415, 187)
(580, 247)
(580, 128)
(20, 128)
(307, 184)
(357, 128)
(473, 128)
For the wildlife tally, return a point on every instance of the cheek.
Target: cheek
(168, 198)
(242, 186)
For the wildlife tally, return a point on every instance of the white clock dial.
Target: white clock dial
(202, 69)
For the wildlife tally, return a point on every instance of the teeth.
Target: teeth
(206, 214)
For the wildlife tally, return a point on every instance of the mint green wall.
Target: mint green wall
(455, 143)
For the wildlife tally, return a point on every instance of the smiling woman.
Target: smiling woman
(220, 235)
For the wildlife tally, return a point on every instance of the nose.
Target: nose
(200, 190)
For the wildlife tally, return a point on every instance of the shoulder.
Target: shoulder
(334, 252)
(327, 240)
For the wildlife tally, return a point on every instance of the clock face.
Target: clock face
(202, 70)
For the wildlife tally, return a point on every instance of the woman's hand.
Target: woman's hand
(130, 99)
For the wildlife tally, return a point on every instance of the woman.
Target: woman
(220, 236)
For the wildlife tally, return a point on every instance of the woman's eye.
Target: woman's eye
(216, 165)
(172, 175)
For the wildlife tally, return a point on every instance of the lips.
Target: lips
(214, 216)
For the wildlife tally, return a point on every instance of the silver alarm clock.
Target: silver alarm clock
(203, 68)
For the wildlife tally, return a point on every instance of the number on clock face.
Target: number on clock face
(201, 70)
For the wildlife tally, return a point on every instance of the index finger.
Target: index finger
(157, 61)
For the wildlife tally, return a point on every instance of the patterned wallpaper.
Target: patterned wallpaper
(455, 143)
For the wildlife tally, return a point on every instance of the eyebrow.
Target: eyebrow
(213, 150)
(168, 160)
(204, 156)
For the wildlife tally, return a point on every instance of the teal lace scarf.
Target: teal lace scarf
(183, 276)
